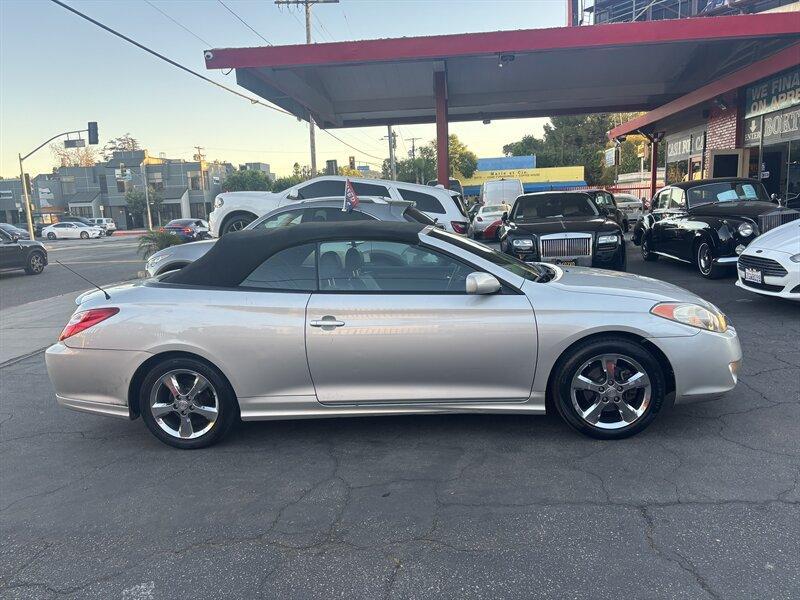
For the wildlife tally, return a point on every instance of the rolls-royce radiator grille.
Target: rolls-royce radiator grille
(566, 247)
(767, 222)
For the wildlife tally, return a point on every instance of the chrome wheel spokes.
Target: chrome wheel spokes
(610, 391)
(184, 404)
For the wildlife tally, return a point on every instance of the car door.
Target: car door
(392, 323)
(659, 213)
(12, 254)
(69, 230)
(671, 224)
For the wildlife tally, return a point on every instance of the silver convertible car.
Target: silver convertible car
(376, 318)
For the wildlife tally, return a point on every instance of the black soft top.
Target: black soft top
(237, 254)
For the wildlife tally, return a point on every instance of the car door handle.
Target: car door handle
(327, 321)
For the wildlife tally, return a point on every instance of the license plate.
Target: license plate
(567, 263)
(753, 275)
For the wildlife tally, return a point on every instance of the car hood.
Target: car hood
(741, 208)
(785, 238)
(574, 224)
(615, 283)
(191, 251)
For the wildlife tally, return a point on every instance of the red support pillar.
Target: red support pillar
(442, 133)
(653, 166)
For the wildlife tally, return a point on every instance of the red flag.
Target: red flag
(350, 197)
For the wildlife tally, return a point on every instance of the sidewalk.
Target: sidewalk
(33, 326)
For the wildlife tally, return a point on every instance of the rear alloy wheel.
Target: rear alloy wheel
(187, 404)
(609, 389)
(705, 261)
(84, 235)
(51, 235)
(237, 223)
(35, 263)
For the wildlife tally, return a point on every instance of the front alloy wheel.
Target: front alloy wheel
(608, 388)
(237, 223)
(35, 263)
(705, 261)
(186, 403)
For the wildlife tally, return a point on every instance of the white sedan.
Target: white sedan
(71, 230)
(630, 205)
(770, 265)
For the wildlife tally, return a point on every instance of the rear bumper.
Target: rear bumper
(706, 365)
(93, 380)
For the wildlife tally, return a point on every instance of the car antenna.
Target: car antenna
(105, 293)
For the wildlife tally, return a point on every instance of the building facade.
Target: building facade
(176, 188)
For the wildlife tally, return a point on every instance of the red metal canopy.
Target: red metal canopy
(616, 67)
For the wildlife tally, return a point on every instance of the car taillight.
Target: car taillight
(187, 230)
(459, 226)
(161, 230)
(81, 321)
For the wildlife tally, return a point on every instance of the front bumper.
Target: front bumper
(706, 365)
(95, 381)
(787, 286)
(603, 257)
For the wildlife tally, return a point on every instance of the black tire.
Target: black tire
(621, 264)
(35, 264)
(84, 235)
(228, 407)
(567, 367)
(704, 260)
(626, 226)
(647, 255)
(51, 235)
(236, 223)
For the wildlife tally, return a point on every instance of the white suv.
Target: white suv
(234, 210)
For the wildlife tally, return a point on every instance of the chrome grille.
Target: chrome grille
(767, 266)
(773, 220)
(566, 247)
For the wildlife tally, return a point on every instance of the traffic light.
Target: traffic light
(353, 162)
(93, 139)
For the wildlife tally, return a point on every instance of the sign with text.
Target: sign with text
(752, 131)
(774, 93)
(781, 127)
(685, 144)
(545, 175)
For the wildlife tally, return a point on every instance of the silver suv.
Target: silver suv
(303, 211)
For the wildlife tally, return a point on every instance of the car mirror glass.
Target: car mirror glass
(482, 283)
(504, 218)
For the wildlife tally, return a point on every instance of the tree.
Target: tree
(348, 172)
(137, 203)
(123, 143)
(282, 183)
(247, 181)
(463, 163)
(74, 157)
(153, 241)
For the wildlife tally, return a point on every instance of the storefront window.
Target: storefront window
(677, 171)
(793, 175)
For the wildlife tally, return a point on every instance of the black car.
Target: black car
(562, 228)
(605, 201)
(13, 230)
(16, 253)
(189, 230)
(707, 223)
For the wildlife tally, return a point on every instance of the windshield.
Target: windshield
(726, 191)
(552, 206)
(533, 272)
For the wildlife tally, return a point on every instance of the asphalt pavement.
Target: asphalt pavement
(703, 504)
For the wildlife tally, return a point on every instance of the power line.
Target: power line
(245, 23)
(186, 29)
(195, 73)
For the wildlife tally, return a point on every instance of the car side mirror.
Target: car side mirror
(776, 199)
(504, 218)
(482, 283)
(14, 237)
(293, 195)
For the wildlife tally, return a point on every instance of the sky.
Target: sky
(57, 72)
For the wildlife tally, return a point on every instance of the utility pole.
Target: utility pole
(143, 169)
(199, 157)
(392, 137)
(311, 136)
(413, 155)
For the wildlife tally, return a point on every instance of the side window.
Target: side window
(662, 199)
(363, 266)
(290, 270)
(321, 189)
(424, 202)
(370, 189)
(332, 215)
(4, 237)
(289, 217)
(676, 199)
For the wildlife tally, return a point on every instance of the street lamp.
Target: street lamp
(91, 130)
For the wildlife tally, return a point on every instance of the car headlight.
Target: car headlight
(795, 258)
(218, 201)
(693, 315)
(746, 230)
(608, 239)
(522, 243)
